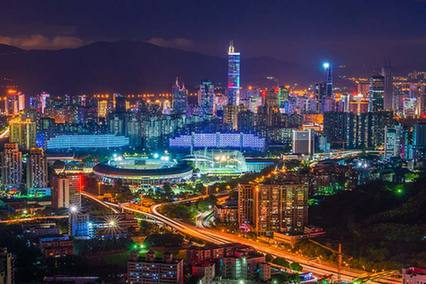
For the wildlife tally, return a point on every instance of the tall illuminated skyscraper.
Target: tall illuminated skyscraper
(329, 83)
(233, 75)
(37, 169)
(11, 165)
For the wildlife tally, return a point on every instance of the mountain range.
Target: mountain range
(127, 67)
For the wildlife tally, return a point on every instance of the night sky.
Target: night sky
(345, 31)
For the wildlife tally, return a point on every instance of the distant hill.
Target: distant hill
(126, 66)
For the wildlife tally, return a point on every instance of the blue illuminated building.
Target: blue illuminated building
(233, 75)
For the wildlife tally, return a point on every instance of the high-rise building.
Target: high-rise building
(7, 275)
(23, 132)
(233, 88)
(11, 166)
(117, 124)
(12, 102)
(246, 121)
(376, 93)
(134, 132)
(119, 103)
(304, 142)
(371, 128)
(102, 108)
(230, 116)
(393, 137)
(179, 98)
(388, 87)
(61, 191)
(43, 101)
(329, 79)
(340, 129)
(206, 98)
(37, 169)
(154, 270)
(75, 188)
(278, 204)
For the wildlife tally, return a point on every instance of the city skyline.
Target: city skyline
(213, 142)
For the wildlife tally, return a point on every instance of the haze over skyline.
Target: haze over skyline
(303, 32)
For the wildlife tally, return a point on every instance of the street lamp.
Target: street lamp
(73, 209)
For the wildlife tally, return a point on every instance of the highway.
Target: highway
(218, 237)
(31, 219)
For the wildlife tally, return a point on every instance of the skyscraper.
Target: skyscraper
(388, 87)
(61, 191)
(376, 92)
(23, 132)
(179, 98)
(11, 166)
(233, 75)
(206, 98)
(329, 81)
(37, 169)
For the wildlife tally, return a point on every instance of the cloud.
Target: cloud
(37, 41)
(180, 43)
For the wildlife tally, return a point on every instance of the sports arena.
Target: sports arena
(143, 170)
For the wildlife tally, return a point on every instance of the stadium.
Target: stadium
(143, 170)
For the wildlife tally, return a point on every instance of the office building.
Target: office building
(7, 267)
(23, 132)
(376, 93)
(154, 270)
(179, 98)
(304, 142)
(206, 98)
(233, 87)
(11, 166)
(278, 204)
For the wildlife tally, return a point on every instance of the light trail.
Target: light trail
(31, 219)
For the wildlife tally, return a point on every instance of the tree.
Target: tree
(295, 266)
